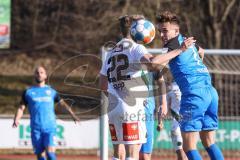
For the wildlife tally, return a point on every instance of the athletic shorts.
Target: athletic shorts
(199, 109)
(148, 146)
(127, 124)
(42, 139)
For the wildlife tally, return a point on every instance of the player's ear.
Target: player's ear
(177, 31)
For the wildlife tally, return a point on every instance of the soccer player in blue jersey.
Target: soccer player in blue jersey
(199, 100)
(147, 148)
(40, 100)
(118, 70)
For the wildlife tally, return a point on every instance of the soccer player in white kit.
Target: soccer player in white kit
(120, 77)
(173, 101)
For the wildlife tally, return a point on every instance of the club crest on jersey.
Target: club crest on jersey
(48, 92)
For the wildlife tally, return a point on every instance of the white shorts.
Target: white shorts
(127, 124)
(175, 96)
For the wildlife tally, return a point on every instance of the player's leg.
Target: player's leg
(37, 142)
(190, 145)
(192, 109)
(208, 142)
(134, 135)
(210, 124)
(51, 155)
(146, 148)
(181, 154)
(177, 140)
(41, 156)
(127, 127)
(132, 151)
(50, 144)
(119, 152)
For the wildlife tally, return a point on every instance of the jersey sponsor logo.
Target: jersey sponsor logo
(113, 132)
(48, 92)
(42, 99)
(202, 70)
(130, 131)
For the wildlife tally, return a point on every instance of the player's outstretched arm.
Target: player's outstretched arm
(153, 63)
(69, 109)
(18, 115)
(163, 58)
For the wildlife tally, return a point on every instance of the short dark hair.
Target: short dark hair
(125, 24)
(126, 21)
(167, 16)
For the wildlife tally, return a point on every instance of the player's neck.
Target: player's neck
(41, 84)
(128, 37)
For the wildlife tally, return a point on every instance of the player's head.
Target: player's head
(40, 74)
(167, 25)
(125, 23)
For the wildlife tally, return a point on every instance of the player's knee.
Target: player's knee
(51, 155)
(176, 139)
(41, 156)
(207, 138)
(145, 156)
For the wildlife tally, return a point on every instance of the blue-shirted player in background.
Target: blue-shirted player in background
(147, 148)
(199, 101)
(40, 100)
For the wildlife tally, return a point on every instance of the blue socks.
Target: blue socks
(193, 155)
(51, 156)
(214, 152)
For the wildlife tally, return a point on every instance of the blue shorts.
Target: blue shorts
(199, 109)
(148, 146)
(42, 139)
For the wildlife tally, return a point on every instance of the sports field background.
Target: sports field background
(54, 32)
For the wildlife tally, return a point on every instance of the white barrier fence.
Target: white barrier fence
(69, 135)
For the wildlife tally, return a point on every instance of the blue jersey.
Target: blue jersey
(40, 103)
(187, 69)
(149, 111)
(148, 79)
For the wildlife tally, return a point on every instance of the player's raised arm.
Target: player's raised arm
(18, 115)
(154, 63)
(62, 103)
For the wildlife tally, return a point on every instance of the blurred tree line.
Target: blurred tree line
(62, 26)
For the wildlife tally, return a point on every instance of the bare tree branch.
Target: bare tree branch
(227, 10)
